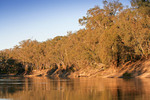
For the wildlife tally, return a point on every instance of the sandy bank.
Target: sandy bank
(139, 69)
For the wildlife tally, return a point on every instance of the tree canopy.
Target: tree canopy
(113, 34)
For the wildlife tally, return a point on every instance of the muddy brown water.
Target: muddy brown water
(42, 88)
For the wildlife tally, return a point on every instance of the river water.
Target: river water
(42, 88)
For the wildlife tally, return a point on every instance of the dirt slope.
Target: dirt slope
(140, 69)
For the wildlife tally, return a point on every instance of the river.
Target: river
(43, 88)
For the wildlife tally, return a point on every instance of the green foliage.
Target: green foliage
(8, 65)
(113, 35)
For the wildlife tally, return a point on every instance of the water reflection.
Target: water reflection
(40, 88)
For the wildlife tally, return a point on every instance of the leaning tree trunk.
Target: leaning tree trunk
(26, 69)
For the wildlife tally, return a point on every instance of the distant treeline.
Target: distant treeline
(113, 35)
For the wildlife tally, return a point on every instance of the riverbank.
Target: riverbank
(138, 69)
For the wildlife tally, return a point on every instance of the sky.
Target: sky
(41, 19)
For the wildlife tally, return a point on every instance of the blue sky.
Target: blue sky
(40, 19)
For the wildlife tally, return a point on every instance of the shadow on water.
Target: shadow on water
(42, 88)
